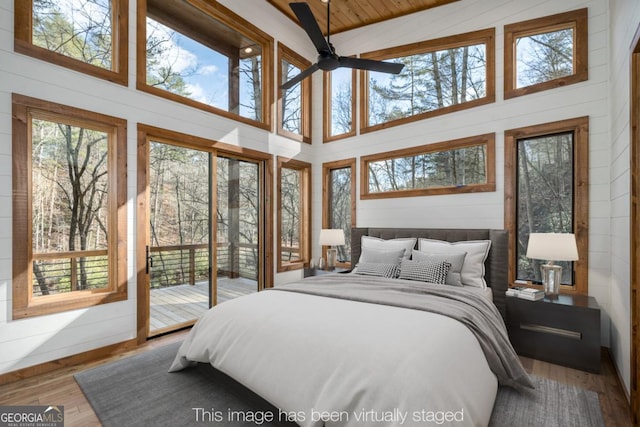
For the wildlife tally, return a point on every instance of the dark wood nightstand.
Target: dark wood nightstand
(564, 330)
(308, 272)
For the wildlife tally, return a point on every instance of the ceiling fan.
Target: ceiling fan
(328, 60)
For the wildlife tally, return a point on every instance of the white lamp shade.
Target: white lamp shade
(552, 246)
(331, 237)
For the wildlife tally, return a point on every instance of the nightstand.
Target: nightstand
(308, 272)
(564, 330)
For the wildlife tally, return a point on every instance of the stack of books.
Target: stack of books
(525, 293)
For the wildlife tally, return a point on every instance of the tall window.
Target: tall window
(90, 36)
(294, 217)
(545, 53)
(546, 191)
(339, 104)
(205, 56)
(68, 209)
(439, 76)
(339, 202)
(458, 166)
(294, 104)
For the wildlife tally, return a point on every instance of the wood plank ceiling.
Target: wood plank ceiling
(350, 14)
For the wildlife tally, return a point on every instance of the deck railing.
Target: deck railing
(61, 272)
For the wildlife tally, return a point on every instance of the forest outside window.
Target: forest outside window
(459, 166)
(545, 53)
(439, 76)
(294, 104)
(339, 103)
(546, 191)
(69, 220)
(339, 203)
(90, 36)
(203, 55)
(294, 217)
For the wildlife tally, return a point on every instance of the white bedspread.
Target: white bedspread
(364, 364)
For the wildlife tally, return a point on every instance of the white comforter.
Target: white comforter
(346, 363)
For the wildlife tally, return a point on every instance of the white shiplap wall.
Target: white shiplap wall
(32, 341)
(624, 23)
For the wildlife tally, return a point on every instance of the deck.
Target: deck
(183, 303)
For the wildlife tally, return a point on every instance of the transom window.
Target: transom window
(339, 103)
(69, 216)
(90, 36)
(546, 53)
(459, 166)
(439, 76)
(205, 56)
(294, 104)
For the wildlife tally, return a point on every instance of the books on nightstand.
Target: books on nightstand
(525, 293)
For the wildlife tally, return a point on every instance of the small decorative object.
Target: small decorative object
(552, 247)
(321, 263)
(331, 237)
(312, 263)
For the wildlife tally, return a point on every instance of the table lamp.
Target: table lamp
(552, 247)
(331, 237)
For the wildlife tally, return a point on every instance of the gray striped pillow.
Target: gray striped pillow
(428, 271)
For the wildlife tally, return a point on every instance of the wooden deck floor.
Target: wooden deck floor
(183, 303)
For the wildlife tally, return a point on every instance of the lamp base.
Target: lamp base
(551, 277)
(332, 256)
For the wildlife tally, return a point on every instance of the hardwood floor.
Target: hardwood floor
(60, 388)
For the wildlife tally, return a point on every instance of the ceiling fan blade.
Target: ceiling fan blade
(297, 79)
(371, 65)
(310, 25)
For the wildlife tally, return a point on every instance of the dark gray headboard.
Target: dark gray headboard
(496, 265)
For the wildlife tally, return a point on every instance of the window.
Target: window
(89, 36)
(547, 191)
(294, 104)
(339, 103)
(339, 202)
(69, 216)
(294, 220)
(440, 76)
(545, 53)
(203, 55)
(459, 166)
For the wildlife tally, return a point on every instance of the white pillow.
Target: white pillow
(472, 272)
(389, 245)
(392, 256)
(454, 276)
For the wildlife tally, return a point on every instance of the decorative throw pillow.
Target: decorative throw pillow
(392, 244)
(378, 269)
(428, 271)
(391, 256)
(454, 277)
(473, 267)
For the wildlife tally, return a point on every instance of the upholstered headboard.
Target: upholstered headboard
(496, 265)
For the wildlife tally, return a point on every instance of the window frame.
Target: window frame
(490, 168)
(305, 208)
(220, 13)
(486, 37)
(287, 54)
(119, 73)
(327, 108)
(24, 305)
(576, 20)
(326, 197)
(580, 128)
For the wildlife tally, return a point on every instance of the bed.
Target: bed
(355, 349)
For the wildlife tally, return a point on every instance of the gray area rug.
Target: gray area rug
(138, 391)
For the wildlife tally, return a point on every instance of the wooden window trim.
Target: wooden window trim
(486, 37)
(326, 196)
(305, 228)
(286, 54)
(327, 108)
(487, 139)
(23, 22)
(24, 305)
(577, 20)
(580, 128)
(227, 17)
